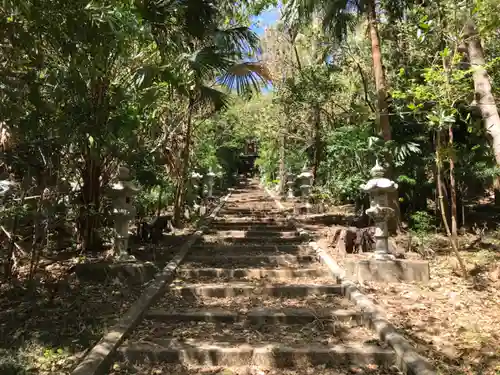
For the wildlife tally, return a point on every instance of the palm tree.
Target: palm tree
(207, 55)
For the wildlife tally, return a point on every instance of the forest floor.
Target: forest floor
(46, 327)
(452, 321)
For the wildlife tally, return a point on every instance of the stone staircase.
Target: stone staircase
(250, 298)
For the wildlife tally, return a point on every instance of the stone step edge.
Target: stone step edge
(252, 272)
(238, 289)
(263, 234)
(287, 241)
(258, 315)
(250, 221)
(276, 355)
(233, 257)
(251, 245)
(260, 225)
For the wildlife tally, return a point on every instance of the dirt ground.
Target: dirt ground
(452, 321)
(47, 327)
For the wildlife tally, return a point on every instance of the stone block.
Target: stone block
(399, 270)
(129, 272)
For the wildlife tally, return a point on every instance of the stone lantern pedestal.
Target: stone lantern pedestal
(290, 182)
(210, 183)
(382, 265)
(122, 194)
(305, 178)
(195, 198)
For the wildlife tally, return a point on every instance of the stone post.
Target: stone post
(305, 178)
(379, 188)
(195, 184)
(290, 184)
(220, 179)
(122, 194)
(210, 183)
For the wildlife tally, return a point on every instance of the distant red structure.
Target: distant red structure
(247, 158)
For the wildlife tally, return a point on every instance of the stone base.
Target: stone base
(399, 270)
(129, 272)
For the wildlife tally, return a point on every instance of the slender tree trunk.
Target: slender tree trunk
(90, 201)
(378, 70)
(282, 166)
(453, 190)
(180, 192)
(317, 143)
(158, 205)
(483, 94)
(384, 126)
(442, 205)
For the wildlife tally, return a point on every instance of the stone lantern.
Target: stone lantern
(195, 190)
(5, 186)
(220, 178)
(305, 178)
(195, 185)
(122, 194)
(379, 188)
(210, 183)
(290, 182)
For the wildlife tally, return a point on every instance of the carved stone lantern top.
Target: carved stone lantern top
(305, 174)
(124, 187)
(378, 183)
(196, 176)
(210, 174)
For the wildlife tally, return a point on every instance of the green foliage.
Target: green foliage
(348, 161)
(422, 223)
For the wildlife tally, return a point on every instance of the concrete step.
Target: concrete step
(249, 221)
(248, 290)
(256, 240)
(263, 234)
(194, 260)
(259, 316)
(251, 247)
(238, 209)
(273, 355)
(252, 226)
(253, 273)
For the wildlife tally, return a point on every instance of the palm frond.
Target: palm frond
(215, 98)
(337, 16)
(196, 18)
(236, 40)
(199, 17)
(207, 62)
(246, 77)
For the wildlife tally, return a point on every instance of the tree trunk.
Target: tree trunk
(90, 201)
(383, 124)
(180, 192)
(442, 205)
(483, 95)
(453, 190)
(158, 206)
(282, 167)
(378, 70)
(317, 143)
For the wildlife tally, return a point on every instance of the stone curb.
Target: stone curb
(97, 360)
(408, 360)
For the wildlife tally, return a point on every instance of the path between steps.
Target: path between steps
(251, 299)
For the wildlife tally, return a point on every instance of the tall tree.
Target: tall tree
(337, 16)
(484, 98)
